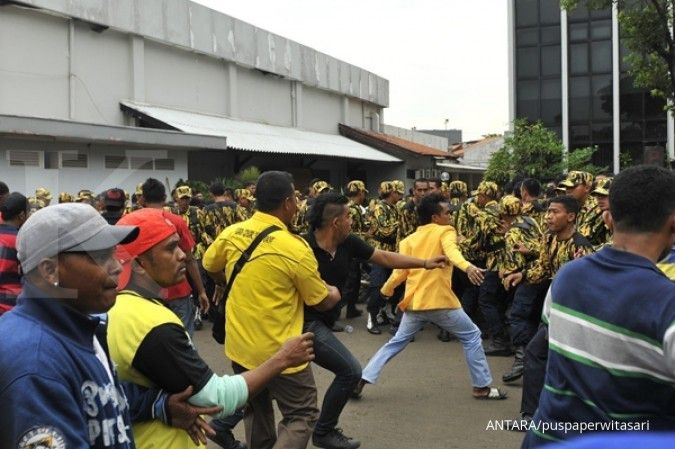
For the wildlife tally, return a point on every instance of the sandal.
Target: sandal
(491, 393)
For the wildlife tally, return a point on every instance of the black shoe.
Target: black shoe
(444, 336)
(372, 326)
(358, 389)
(335, 439)
(498, 347)
(353, 312)
(520, 424)
(518, 366)
(337, 328)
(226, 440)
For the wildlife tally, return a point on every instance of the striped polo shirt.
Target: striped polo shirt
(10, 279)
(611, 362)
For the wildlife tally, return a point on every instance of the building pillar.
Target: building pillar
(71, 69)
(296, 103)
(564, 79)
(510, 12)
(670, 144)
(137, 68)
(616, 91)
(232, 106)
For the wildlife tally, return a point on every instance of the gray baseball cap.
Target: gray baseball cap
(67, 227)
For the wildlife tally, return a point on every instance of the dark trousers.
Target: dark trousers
(536, 356)
(332, 355)
(350, 291)
(492, 303)
(526, 312)
(378, 276)
(295, 395)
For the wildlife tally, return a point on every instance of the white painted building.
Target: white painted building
(108, 93)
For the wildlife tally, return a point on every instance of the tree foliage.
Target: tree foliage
(647, 29)
(533, 151)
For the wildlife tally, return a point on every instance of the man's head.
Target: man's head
(154, 260)
(43, 195)
(561, 214)
(398, 191)
(434, 185)
(183, 198)
(420, 189)
(114, 200)
(330, 213)
(275, 195)
(487, 191)
(85, 196)
(4, 191)
(509, 208)
(458, 189)
(67, 250)
(433, 209)
(65, 197)
(228, 194)
(578, 185)
(642, 201)
(601, 191)
(153, 193)
(250, 186)
(244, 198)
(319, 187)
(14, 209)
(530, 189)
(356, 191)
(217, 189)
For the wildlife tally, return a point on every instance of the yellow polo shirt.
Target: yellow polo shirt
(265, 305)
(428, 289)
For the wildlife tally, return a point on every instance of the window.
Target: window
(550, 35)
(528, 62)
(550, 61)
(141, 163)
(116, 162)
(526, 12)
(21, 158)
(528, 36)
(549, 11)
(164, 164)
(73, 160)
(601, 56)
(51, 159)
(601, 29)
(578, 32)
(579, 59)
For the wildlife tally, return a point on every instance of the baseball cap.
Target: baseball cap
(487, 188)
(184, 192)
(139, 189)
(67, 227)
(510, 205)
(321, 186)
(244, 193)
(458, 188)
(153, 227)
(114, 198)
(398, 186)
(574, 178)
(386, 187)
(43, 193)
(65, 197)
(84, 196)
(356, 186)
(602, 187)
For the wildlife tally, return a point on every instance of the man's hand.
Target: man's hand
(186, 416)
(521, 248)
(476, 275)
(218, 294)
(435, 262)
(512, 280)
(203, 301)
(297, 350)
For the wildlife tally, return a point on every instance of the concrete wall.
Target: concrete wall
(440, 143)
(263, 98)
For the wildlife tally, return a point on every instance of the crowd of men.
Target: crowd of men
(484, 266)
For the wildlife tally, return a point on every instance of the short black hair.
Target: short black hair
(570, 204)
(228, 191)
(642, 199)
(421, 180)
(429, 205)
(325, 208)
(272, 188)
(436, 181)
(217, 188)
(4, 190)
(153, 191)
(532, 186)
(13, 205)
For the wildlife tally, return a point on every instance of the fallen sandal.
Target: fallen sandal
(491, 394)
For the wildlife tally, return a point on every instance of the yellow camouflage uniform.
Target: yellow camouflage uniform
(456, 190)
(486, 237)
(217, 217)
(466, 228)
(384, 226)
(590, 223)
(359, 222)
(408, 214)
(525, 231)
(194, 218)
(299, 223)
(537, 211)
(553, 254)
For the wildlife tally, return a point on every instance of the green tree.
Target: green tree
(647, 29)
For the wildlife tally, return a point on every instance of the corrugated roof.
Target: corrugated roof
(250, 136)
(387, 141)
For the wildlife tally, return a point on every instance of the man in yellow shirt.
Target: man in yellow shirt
(429, 298)
(265, 307)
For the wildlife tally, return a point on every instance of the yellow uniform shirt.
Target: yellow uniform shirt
(265, 305)
(428, 289)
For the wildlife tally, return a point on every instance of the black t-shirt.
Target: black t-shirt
(334, 270)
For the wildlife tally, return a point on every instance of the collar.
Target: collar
(59, 317)
(625, 258)
(269, 219)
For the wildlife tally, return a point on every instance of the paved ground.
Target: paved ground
(423, 399)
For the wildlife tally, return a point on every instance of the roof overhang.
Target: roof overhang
(460, 167)
(257, 137)
(68, 131)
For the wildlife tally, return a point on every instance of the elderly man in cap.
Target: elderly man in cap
(58, 387)
(579, 184)
(150, 345)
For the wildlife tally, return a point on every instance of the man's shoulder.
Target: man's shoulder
(26, 347)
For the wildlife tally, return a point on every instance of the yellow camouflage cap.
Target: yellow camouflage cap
(398, 186)
(457, 189)
(183, 192)
(574, 178)
(321, 186)
(84, 195)
(139, 189)
(356, 186)
(245, 194)
(65, 197)
(43, 194)
(602, 187)
(510, 205)
(487, 188)
(386, 187)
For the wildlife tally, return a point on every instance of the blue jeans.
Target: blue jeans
(525, 312)
(378, 276)
(184, 308)
(332, 355)
(455, 321)
(492, 303)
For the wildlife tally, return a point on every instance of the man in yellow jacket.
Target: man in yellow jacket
(429, 298)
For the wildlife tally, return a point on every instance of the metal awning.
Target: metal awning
(250, 136)
(460, 167)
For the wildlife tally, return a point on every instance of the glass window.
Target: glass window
(602, 132)
(578, 31)
(655, 130)
(602, 97)
(623, 52)
(654, 106)
(580, 133)
(549, 11)
(528, 99)
(527, 36)
(631, 132)
(604, 156)
(551, 99)
(601, 56)
(601, 29)
(550, 35)
(526, 12)
(578, 58)
(578, 14)
(528, 62)
(550, 61)
(601, 14)
(580, 98)
(631, 106)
